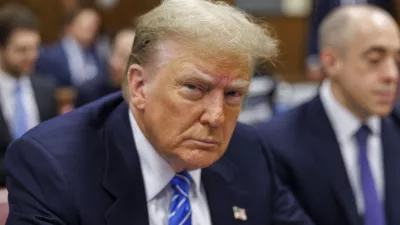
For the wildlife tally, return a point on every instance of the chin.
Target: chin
(198, 159)
(383, 111)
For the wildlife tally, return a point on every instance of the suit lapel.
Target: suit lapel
(391, 159)
(222, 194)
(324, 146)
(39, 96)
(4, 129)
(123, 176)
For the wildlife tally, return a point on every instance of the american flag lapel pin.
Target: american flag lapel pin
(239, 213)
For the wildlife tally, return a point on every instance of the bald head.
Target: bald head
(359, 54)
(341, 25)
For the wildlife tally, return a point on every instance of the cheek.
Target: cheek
(9, 57)
(169, 115)
(230, 122)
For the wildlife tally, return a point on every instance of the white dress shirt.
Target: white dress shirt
(345, 125)
(7, 100)
(157, 174)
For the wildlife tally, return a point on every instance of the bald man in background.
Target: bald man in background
(116, 68)
(339, 152)
(320, 9)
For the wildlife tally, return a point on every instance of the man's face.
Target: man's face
(120, 55)
(190, 104)
(20, 53)
(85, 27)
(369, 68)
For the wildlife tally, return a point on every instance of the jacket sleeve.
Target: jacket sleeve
(37, 189)
(286, 209)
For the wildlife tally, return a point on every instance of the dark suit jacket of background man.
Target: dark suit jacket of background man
(54, 64)
(83, 168)
(309, 161)
(44, 92)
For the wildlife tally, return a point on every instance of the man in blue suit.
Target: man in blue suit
(339, 152)
(76, 59)
(169, 151)
(320, 9)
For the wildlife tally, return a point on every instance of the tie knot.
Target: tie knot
(181, 182)
(362, 134)
(18, 86)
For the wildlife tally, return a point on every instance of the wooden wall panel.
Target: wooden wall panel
(49, 13)
(292, 34)
(125, 13)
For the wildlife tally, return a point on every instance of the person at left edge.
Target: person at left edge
(26, 99)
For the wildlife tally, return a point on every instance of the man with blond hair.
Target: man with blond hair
(170, 150)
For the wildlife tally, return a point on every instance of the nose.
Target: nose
(213, 115)
(392, 70)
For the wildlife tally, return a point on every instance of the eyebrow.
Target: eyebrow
(201, 77)
(377, 49)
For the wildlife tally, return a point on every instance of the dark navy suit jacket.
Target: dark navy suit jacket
(309, 161)
(321, 9)
(83, 168)
(53, 63)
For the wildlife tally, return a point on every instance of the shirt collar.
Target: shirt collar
(344, 123)
(9, 82)
(157, 173)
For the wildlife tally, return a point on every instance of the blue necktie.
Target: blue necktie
(374, 212)
(180, 212)
(20, 120)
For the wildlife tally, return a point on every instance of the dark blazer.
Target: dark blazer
(396, 113)
(321, 9)
(53, 63)
(47, 106)
(91, 91)
(309, 161)
(83, 168)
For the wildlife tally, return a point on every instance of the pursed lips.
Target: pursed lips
(208, 142)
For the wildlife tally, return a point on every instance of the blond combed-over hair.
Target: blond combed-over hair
(206, 26)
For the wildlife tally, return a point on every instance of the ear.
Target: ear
(331, 62)
(136, 86)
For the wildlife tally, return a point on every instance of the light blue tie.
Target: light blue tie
(20, 120)
(180, 212)
(374, 210)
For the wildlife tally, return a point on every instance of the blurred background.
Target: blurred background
(80, 79)
(288, 19)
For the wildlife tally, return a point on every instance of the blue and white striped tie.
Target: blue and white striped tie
(180, 213)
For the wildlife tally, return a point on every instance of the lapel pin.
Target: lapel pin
(239, 213)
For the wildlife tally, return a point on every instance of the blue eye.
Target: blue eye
(191, 86)
(234, 94)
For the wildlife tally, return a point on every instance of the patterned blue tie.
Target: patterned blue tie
(20, 120)
(374, 212)
(180, 212)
